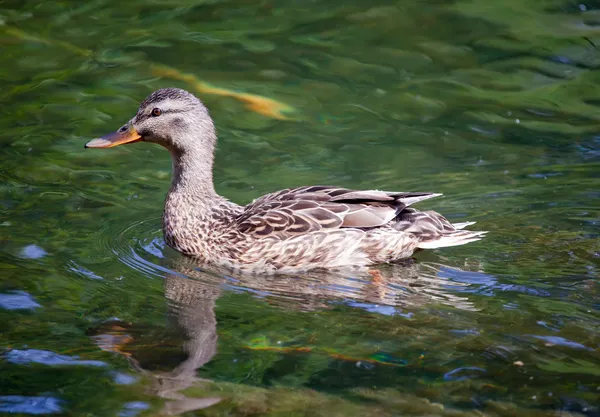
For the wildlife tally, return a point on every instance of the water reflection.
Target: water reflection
(192, 292)
(192, 312)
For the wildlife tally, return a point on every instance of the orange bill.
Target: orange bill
(115, 139)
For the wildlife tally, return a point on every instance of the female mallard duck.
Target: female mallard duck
(293, 229)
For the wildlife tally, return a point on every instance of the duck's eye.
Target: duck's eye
(156, 112)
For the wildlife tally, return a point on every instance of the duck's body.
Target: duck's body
(293, 229)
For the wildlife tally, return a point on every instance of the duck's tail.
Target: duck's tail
(435, 231)
(460, 237)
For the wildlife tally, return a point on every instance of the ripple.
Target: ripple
(80, 270)
(155, 247)
(140, 246)
(141, 239)
(465, 372)
(121, 378)
(133, 408)
(29, 405)
(46, 357)
(33, 252)
(561, 341)
(18, 300)
(465, 332)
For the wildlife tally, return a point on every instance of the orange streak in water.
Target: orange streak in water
(259, 104)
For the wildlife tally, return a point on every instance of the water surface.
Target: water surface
(494, 104)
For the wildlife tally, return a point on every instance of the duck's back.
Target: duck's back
(324, 227)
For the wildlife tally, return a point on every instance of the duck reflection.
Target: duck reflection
(192, 291)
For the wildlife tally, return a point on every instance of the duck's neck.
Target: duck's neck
(190, 202)
(192, 175)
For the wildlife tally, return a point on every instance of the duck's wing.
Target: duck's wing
(302, 210)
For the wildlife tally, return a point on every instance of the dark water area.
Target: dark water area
(494, 104)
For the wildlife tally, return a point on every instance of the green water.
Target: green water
(493, 103)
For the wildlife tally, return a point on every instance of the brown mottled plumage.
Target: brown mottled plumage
(293, 229)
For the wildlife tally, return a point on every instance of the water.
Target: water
(493, 104)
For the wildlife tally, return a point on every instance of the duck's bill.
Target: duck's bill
(115, 139)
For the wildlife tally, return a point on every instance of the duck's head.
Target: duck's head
(170, 117)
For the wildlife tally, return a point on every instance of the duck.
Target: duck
(294, 229)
